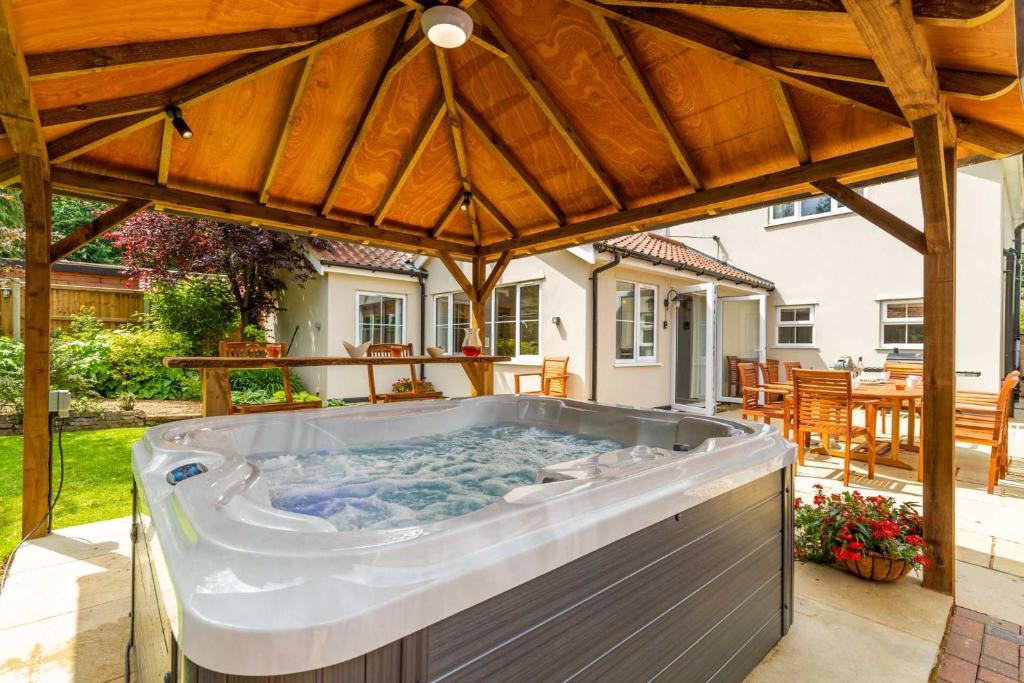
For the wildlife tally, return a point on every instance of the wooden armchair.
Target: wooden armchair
(553, 374)
(770, 375)
(264, 350)
(823, 404)
(755, 399)
(899, 372)
(789, 366)
(416, 394)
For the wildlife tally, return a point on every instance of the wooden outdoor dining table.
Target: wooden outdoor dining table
(216, 388)
(889, 396)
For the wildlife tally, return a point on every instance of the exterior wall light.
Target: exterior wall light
(178, 121)
(446, 26)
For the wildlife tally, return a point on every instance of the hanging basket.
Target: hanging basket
(876, 567)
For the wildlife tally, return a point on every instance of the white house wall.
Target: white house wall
(845, 266)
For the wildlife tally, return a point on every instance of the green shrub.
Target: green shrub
(201, 309)
(260, 386)
(71, 367)
(136, 364)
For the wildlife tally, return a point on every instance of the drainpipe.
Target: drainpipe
(422, 277)
(1014, 269)
(616, 260)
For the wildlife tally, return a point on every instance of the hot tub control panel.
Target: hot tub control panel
(179, 474)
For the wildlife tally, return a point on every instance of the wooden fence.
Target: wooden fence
(112, 306)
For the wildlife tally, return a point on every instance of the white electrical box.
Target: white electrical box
(60, 402)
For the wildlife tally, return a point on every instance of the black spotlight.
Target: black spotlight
(466, 199)
(178, 121)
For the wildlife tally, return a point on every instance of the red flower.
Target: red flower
(855, 545)
(922, 560)
(797, 503)
(915, 540)
(819, 499)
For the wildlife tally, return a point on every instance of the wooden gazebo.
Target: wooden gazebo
(559, 122)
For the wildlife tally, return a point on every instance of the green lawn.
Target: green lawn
(97, 480)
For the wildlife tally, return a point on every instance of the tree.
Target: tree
(201, 308)
(258, 264)
(69, 214)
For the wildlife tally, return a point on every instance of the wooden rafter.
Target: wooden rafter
(94, 59)
(790, 120)
(448, 89)
(974, 85)
(496, 272)
(299, 87)
(249, 213)
(613, 37)
(757, 58)
(503, 222)
(449, 213)
(498, 148)
(80, 141)
(646, 217)
(18, 110)
(163, 166)
(97, 227)
(943, 12)
(413, 154)
(401, 53)
(456, 272)
(542, 97)
(867, 209)
(932, 174)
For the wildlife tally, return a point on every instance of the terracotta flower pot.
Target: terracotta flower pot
(876, 567)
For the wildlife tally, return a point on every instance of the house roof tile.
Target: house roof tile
(360, 256)
(662, 250)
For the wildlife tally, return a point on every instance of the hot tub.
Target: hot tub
(494, 538)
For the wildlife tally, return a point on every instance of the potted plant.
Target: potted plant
(874, 537)
(405, 385)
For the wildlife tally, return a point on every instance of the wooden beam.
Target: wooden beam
(444, 72)
(963, 13)
(790, 120)
(163, 168)
(931, 169)
(299, 87)
(867, 209)
(901, 54)
(448, 215)
(456, 272)
(660, 213)
(412, 156)
(35, 490)
(939, 447)
(496, 214)
(498, 148)
(250, 213)
(95, 59)
(975, 85)
(543, 98)
(401, 53)
(97, 227)
(634, 74)
(80, 141)
(478, 270)
(492, 278)
(17, 103)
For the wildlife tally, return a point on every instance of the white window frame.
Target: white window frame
(405, 314)
(453, 345)
(780, 323)
(883, 321)
(837, 209)
(489, 320)
(637, 359)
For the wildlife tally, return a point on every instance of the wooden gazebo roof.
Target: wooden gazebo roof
(566, 120)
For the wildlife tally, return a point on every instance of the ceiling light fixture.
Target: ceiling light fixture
(446, 26)
(466, 199)
(178, 121)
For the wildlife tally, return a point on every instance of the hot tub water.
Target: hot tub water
(396, 484)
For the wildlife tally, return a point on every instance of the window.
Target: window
(513, 320)
(812, 207)
(516, 308)
(635, 313)
(794, 325)
(903, 323)
(381, 319)
(452, 316)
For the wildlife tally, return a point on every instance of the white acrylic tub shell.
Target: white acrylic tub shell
(252, 590)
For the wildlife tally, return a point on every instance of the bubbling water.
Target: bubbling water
(417, 481)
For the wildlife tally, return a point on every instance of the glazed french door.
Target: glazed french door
(742, 335)
(693, 344)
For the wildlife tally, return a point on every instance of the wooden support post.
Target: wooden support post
(479, 304)
(216, 391)
(35, 488)
(939, 492)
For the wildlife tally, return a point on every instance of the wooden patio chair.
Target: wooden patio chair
(982, 419)
(735, 386)
(789, 366)
(554, 377)
(823, 404)
(263, 350)
(900, 372)
(770, 375)
(384, 351)
(756, 402)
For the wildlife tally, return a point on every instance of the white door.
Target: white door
(741, 336)
(693, 344)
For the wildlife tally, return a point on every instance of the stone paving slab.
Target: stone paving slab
(979, 647)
